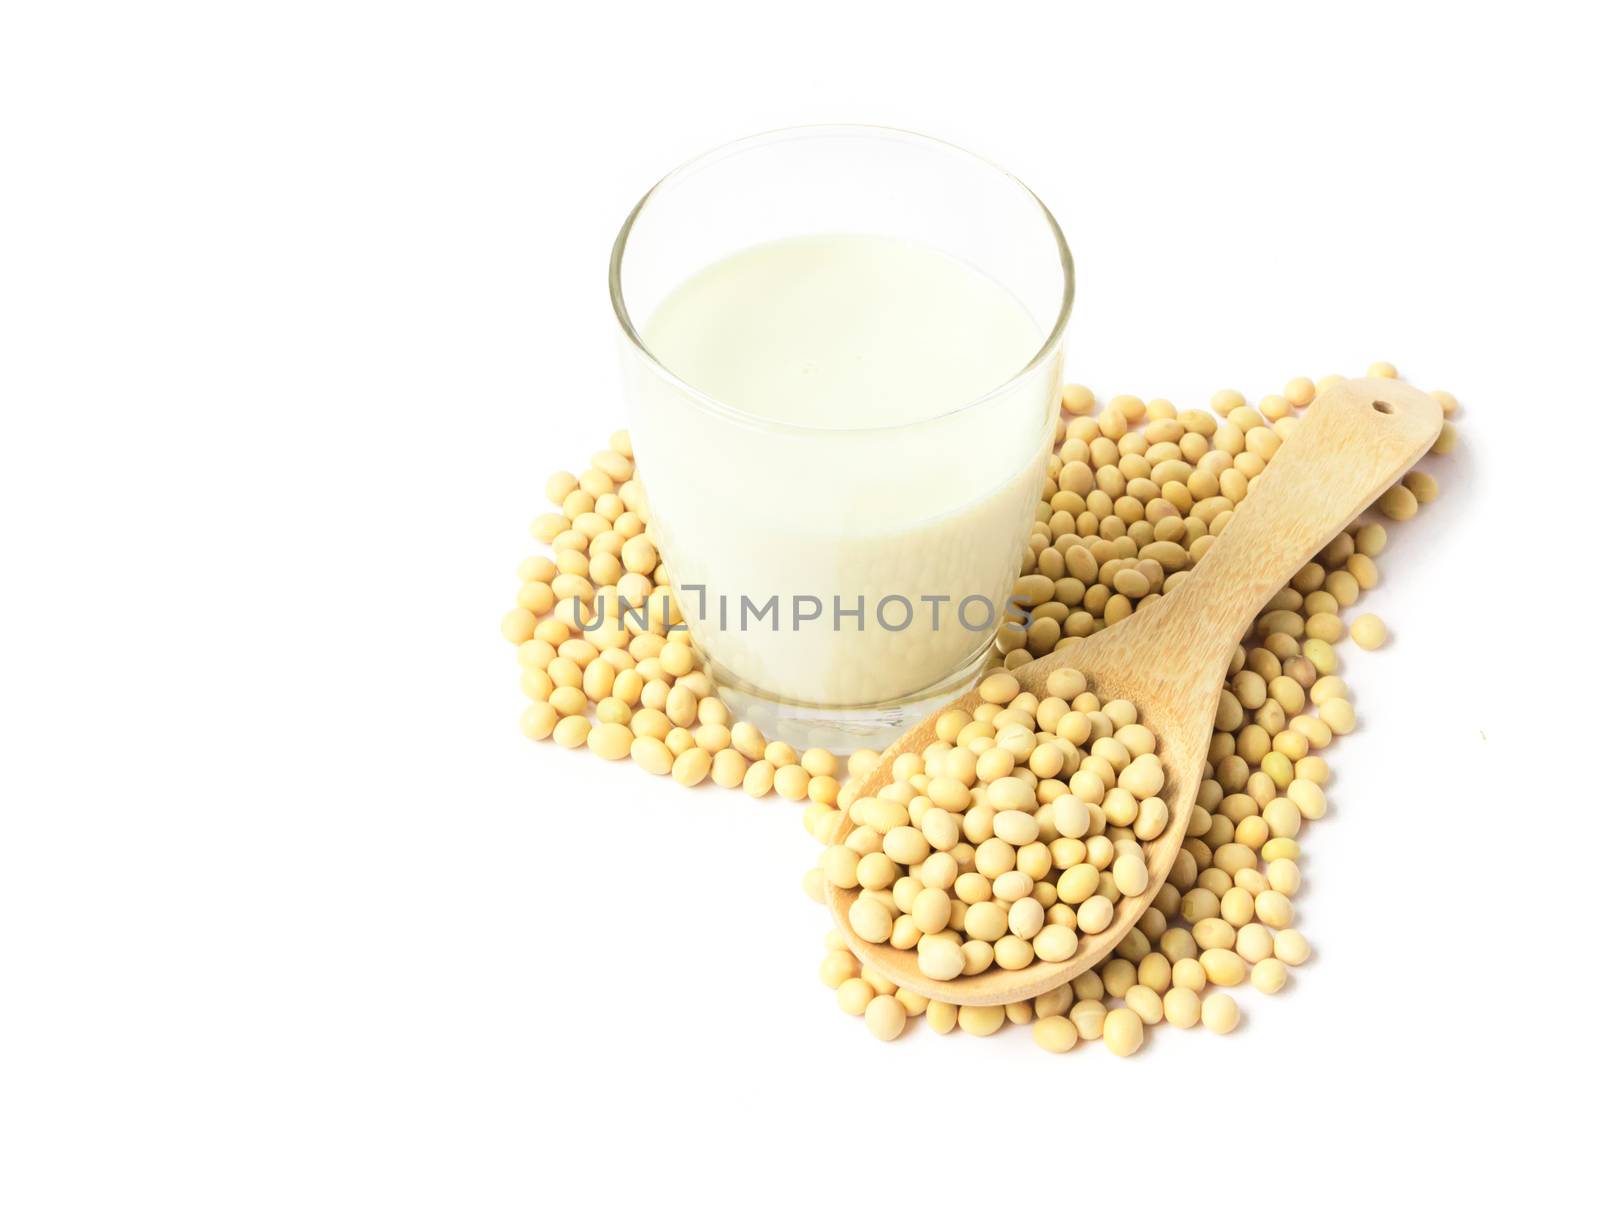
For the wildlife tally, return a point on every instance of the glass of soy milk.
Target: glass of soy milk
(842, 349)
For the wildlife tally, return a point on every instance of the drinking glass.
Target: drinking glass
(845, 527)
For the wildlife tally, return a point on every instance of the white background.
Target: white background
(299, 306)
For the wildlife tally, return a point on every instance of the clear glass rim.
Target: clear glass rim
(619, 248)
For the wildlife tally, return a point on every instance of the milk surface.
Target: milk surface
(843, 331)
(847, 465)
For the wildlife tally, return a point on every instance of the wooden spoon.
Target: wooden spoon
(1171, 657)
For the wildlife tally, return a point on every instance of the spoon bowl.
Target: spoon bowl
(1171, 657)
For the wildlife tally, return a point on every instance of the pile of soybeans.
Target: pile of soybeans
(1135, 494)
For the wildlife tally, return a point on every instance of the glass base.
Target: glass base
(843, 730)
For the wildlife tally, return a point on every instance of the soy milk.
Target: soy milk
(847, 433)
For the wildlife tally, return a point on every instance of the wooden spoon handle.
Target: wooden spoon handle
(1351, 445)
